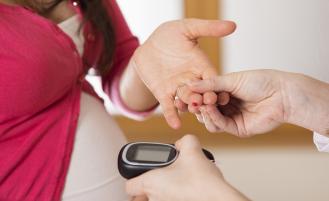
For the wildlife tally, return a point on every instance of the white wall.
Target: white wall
(291, 35)
(143, 16)
(276, 174)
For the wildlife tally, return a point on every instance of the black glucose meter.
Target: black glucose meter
(139, 157)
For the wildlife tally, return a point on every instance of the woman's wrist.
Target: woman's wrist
(306, 102)
(133, 90)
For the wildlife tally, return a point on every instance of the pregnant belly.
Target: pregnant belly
(93, 173)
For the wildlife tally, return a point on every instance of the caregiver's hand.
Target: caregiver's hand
(191, 177)
(263, 99)
(256, 103)
(171, 58)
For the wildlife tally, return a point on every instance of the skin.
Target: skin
(261, 100)
(180, 182)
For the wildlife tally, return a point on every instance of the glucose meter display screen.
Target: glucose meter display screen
(152, 153)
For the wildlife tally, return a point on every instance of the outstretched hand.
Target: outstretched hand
(171, 58)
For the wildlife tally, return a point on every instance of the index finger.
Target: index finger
(170, 112)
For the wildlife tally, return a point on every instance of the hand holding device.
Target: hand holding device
(191, 177)
(139, 157)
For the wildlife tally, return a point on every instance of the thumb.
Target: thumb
(227, 83)
(213, 28)
(188, 144)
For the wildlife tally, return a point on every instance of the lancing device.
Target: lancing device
(139, 157)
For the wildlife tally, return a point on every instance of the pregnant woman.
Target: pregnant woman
(56, 140)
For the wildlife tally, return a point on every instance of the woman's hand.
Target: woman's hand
(171, 58)
(191, 177)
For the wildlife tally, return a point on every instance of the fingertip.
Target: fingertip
(189, 138)
(223, 98)
(174, 123)
(172, 119)
(229, 26)
(170, 113)
(189, 142)
(195, 99)
(209, 98)
(229, 23)
(193, 109)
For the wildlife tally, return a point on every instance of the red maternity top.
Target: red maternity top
(41, 78)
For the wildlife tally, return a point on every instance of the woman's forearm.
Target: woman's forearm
(134, 93)
(307, 102)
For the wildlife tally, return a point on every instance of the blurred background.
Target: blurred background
(290, 35)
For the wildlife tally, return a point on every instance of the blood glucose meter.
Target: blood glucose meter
(139, 157)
